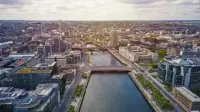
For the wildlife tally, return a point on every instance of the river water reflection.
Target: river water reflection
(112, 92)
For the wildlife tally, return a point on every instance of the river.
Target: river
(112, 92)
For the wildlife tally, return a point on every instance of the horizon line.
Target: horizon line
(98, 20)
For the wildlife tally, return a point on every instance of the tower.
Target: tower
(114, 39)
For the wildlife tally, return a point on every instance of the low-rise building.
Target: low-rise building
(70, 75)
(137, 54)
(190, 101)
(65, 59)
(60, 58)
(180, 71)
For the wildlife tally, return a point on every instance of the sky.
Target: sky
(100, 9)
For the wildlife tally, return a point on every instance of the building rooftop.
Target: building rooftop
(33, 70)
(8, 94)
(37, 97)
(187, 93)
(39, 68)
(57, 55)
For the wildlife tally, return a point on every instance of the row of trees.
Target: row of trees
(77, 91)
(160, 100)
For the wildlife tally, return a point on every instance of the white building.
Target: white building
(137, 54)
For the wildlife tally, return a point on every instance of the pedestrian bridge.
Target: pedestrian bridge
(111, 69)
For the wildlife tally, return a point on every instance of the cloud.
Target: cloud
(15, 2)
(181, 2)
(139, 1)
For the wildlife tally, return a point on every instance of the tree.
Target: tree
(161, 53)
(71, 108)
(154, 65)
(84, 75)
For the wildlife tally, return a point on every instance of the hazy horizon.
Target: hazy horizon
(89, 10)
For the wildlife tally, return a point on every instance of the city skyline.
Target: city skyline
(100, 10)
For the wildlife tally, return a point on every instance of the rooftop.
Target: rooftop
(8, 94)
(35, 97)
(187, 93)
(57, 55)
(33, 70)
(39, 68)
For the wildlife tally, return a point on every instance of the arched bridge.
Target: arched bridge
(111, 69)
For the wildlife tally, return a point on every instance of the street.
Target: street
(66, 99)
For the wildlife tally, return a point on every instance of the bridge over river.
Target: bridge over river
(111, 69)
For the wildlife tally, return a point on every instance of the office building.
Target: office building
(41, 49)
(9, 97)
(64, 46)
(71, 58)
(56, 45)
(186, 98)
(44, 98)
(60, 58)
(114, 39)
(138, 54)
(48, 49)
(29, 77)
(184, 72)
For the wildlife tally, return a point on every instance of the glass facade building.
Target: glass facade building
(29, 78)
(180, 72)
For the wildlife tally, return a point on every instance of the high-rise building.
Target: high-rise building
(114, 39)
(56, 45)
(64, 46)
(41, 49)
(48, 49)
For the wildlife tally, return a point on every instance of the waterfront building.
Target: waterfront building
(71, 58)
(70, 75)
(138, 54)
(29, 77)
(114, 39)
(184, 96)
(44, 98)
(180, 71)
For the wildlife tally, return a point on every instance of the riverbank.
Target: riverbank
(145, 93)
(118, 58)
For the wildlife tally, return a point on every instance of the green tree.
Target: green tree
(84, 75)
(71, 108)
(161, 53)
